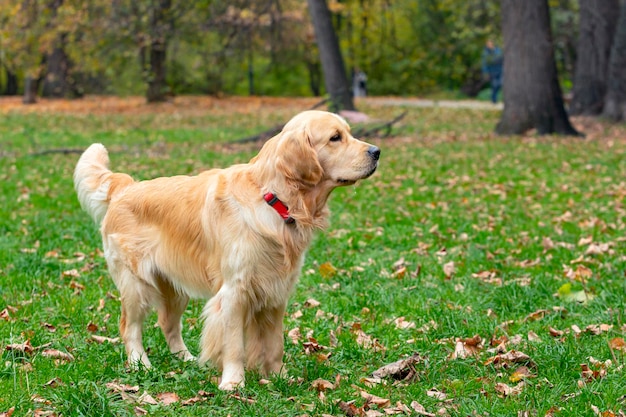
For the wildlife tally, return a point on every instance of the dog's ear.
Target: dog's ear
(296, 158)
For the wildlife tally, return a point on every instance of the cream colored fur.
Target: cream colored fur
(213, 236)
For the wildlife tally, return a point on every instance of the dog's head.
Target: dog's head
(317, 147)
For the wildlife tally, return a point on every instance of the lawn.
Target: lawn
(493, 266)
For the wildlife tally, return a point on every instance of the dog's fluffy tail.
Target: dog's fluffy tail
(94, 182)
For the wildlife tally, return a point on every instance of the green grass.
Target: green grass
(447, 191)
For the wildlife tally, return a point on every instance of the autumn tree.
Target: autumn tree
(615, 104)
(333, 67)
(598, 20)
(532, 94)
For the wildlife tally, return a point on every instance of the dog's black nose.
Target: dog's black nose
(374, 151)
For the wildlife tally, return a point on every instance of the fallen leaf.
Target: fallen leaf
(350, 409)
(167, 398)
(146, 398)
(402, 323)
(25, 347)
(507, 390)
(103, 339)
(322, 385)
(399, 370)
(57, 354)
(8, 413)
(449, 269)
(373, 399)
(617, 343)
(327, 270)
(467, 347)
(310, 303)
(92, 327)
(435, 393)
(520, 374)
(294, 335)
(419, 409)
(115, 387)
(365, 340)
(505, 360)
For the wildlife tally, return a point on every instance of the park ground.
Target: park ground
(492, 267)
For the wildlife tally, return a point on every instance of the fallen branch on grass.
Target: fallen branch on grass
(64, 151)
(375, 131)
(262, 137)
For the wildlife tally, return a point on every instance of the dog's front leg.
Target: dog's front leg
(222, 340)
(233, 348)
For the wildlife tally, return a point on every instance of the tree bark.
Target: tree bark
(615, 104)
(333, 67)
(598, 20)
(10, 89)
(58, 82)
(532, 94)
(31, 85)
(160, 31)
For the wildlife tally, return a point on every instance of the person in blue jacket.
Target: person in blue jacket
(492, 61)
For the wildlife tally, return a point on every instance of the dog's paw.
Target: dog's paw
(230, 385)
(186, 356)
(232, 378)
(138, 362)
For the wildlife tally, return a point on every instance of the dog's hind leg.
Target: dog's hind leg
(170, 310)
(135, 306)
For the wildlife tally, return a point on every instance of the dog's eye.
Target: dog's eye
(336, 138)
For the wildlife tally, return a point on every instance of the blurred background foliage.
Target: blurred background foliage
(253, 47)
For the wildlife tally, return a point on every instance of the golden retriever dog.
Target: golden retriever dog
(236, 236)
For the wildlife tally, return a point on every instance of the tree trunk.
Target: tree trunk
(598, 20)
(58, 82)
(615, 104)
(10, 89)
(31, 85)
(532, 95)
(160, 31)
(335, 77)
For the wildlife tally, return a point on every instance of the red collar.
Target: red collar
(279, 206)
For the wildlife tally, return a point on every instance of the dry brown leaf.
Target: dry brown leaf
(146, 398)
(327, 270)
(520, 374)
(167, 398)
(311, 303)
(400, 370)
(8, 413)
(350, 409)
(70, 273)
(116, 387)
(597, 329)
(373, 399)
(294, 335)
(365, 340)
(322, 385)
(464, 348)
(57, 354)
(533, 337)
(419, 409)
(49, 327)
(92, 327)
(449, 269)
(505, 360)
(537, 315)
(103, 339)
(507, 390)
(617, 343)
(25, 347)
(402, 323)
(435, 393)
